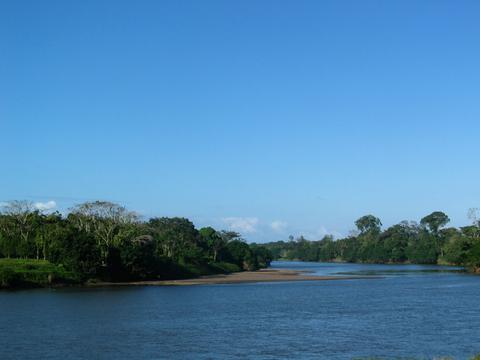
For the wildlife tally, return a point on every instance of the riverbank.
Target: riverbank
(264, 275)
(30, 273)
(17, 273)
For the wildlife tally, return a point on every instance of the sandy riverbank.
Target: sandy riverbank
(264, 275)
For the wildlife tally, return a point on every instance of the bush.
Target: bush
(225, 267)
(8, 278)
(33, 273)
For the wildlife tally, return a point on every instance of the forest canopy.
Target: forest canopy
(426, 242)
(103, 240)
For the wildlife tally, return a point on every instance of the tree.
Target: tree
(104, 240)
(228, 236)
(396, 239)
(49, 228)
(474, 215)
(241, 255)
(77, 250)
(348, 248)
(8, 239)
(138, 257)
(327, 250)
(423, 249)
(473, 257)
(104, 220)
(176, 238)
(262, 255)
(435, 221)
(22, 223)
(213, 240)
(457, 249)
(368, 224)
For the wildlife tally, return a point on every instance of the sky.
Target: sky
(266, 117)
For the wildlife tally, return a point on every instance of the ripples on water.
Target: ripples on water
(412, 311)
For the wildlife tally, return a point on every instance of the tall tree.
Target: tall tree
(176, 237)
(435, 221)
(214, 241)
(368, 224)
(21, 223)
(104, 220)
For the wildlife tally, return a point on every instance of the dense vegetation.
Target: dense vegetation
(105, 241)
(428, 242)
(31, 273)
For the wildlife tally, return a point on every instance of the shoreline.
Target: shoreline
(263, 275)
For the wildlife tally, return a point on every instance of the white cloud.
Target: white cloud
(44, 206)
(278, 226)
(246, 225)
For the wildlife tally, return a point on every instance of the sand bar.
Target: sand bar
(264, 275)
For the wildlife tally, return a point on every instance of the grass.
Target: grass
(16, 273)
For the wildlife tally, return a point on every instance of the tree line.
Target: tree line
(103, 240)
(427, 242)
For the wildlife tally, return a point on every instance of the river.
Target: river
(409, 311)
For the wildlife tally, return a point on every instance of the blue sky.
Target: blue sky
(267, 117)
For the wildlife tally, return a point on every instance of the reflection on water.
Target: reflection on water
(333, 269)
(411, 311)
(375, 272)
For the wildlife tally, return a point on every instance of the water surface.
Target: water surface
(421, 311)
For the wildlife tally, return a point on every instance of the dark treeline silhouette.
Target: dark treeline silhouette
(102, 240)
(427, 242)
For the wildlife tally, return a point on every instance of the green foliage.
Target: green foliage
(457, 249)
(406, 242)
(176, 238)
(33, 273)
(261, 255)
(435, 221)
(224, 267)
(368, 223)
(422, 249)
(102, 240)
(77, 250)
(239, 253)
(213, 240)
(473, 256)
(138, 258)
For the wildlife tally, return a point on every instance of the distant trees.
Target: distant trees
(427, 243)
(368, 224)
(396, 240)
(104, 240)
(435, 221)
(457, 248)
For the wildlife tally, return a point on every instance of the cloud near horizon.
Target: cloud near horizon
(44, 206)
(278, 225)
(245, 225)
